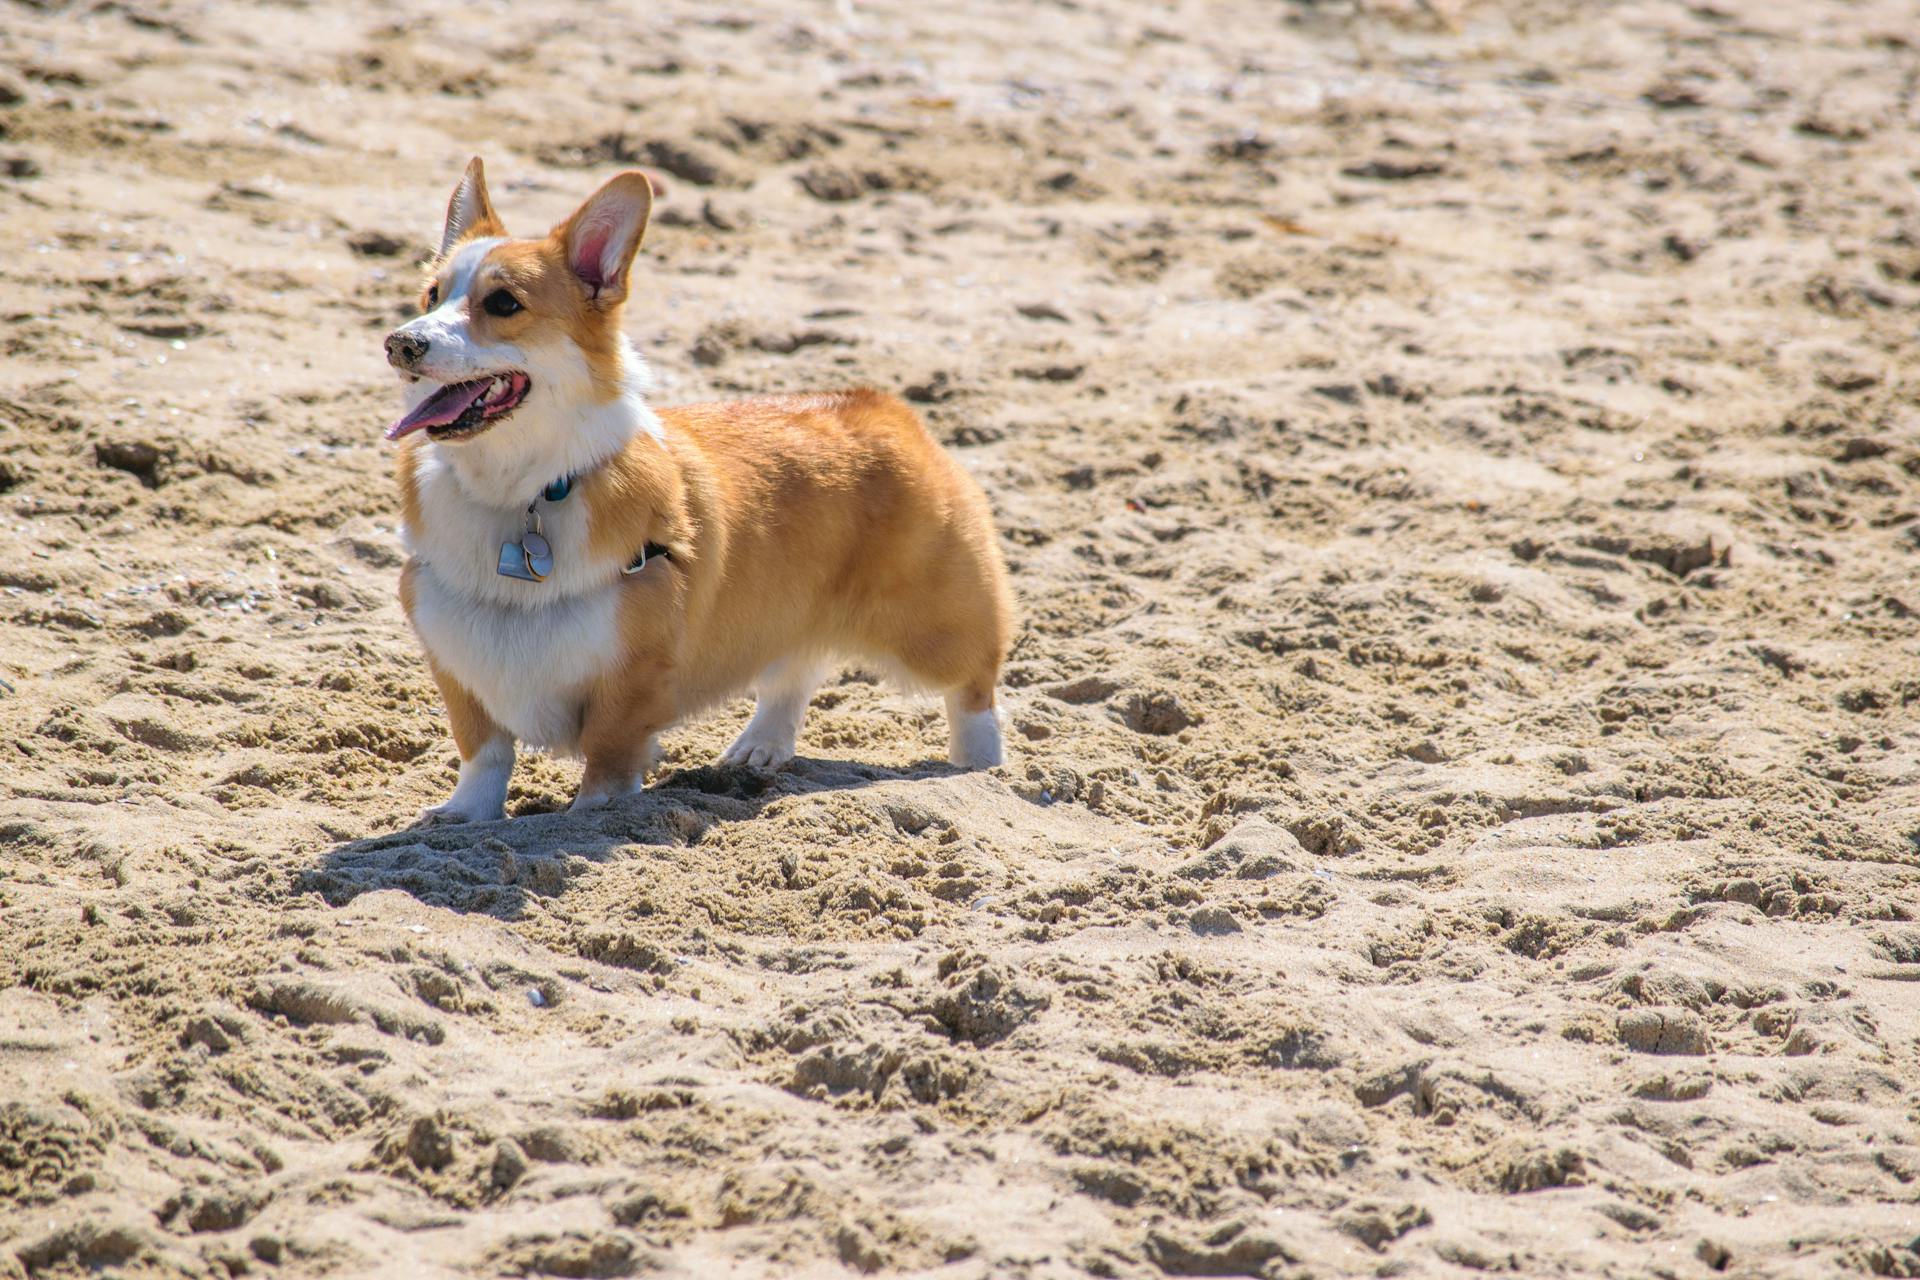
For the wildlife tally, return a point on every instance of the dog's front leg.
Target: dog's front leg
(619, 738)
(609, 779)
(481, 793)
(486, 759)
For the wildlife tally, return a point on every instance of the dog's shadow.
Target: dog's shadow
(498, 868)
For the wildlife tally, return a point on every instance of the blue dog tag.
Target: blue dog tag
(513, 562)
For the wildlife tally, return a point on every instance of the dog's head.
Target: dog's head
(509, 326)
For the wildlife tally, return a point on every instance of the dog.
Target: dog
(585, 571)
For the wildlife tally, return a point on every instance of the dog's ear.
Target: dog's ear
(469, 212)
(602, 235)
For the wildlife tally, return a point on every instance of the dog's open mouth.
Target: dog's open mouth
(462, 410)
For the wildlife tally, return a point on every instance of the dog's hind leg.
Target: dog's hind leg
(782, 692)
(953, 637)
(973, 728)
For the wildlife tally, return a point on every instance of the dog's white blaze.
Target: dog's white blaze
(452, 354)
(466, 264)
(528, 667)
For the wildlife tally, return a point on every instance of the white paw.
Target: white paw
(974, 740)
(452, 814)
(481, 793)
(758, 749)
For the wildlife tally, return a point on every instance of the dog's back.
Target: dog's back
(830, 525)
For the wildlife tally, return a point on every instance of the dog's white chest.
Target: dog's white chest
(530, 668)
(527, 650)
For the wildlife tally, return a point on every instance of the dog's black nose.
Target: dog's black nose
(404, 350)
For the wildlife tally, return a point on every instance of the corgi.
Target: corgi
(585, 570)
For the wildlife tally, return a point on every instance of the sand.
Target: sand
(1458, 465)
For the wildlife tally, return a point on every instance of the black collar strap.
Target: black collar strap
(652, 551)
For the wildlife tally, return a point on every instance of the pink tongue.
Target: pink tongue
(440, 408)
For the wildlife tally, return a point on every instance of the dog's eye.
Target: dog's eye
(501, 303)
(433, 296)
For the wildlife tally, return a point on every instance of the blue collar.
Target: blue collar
(558, 490)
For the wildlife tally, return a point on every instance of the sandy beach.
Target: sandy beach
(1459, 467)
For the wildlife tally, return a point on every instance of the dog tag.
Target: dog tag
(513, 562)
(539, 555)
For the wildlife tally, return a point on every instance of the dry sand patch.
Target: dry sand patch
(1459, 468)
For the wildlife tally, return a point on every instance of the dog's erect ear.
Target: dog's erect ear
(603, 233)
(469, 212)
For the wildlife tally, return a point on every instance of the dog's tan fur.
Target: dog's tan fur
(805, 526)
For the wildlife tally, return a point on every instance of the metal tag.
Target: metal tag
(539, 555)
(513, 562)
